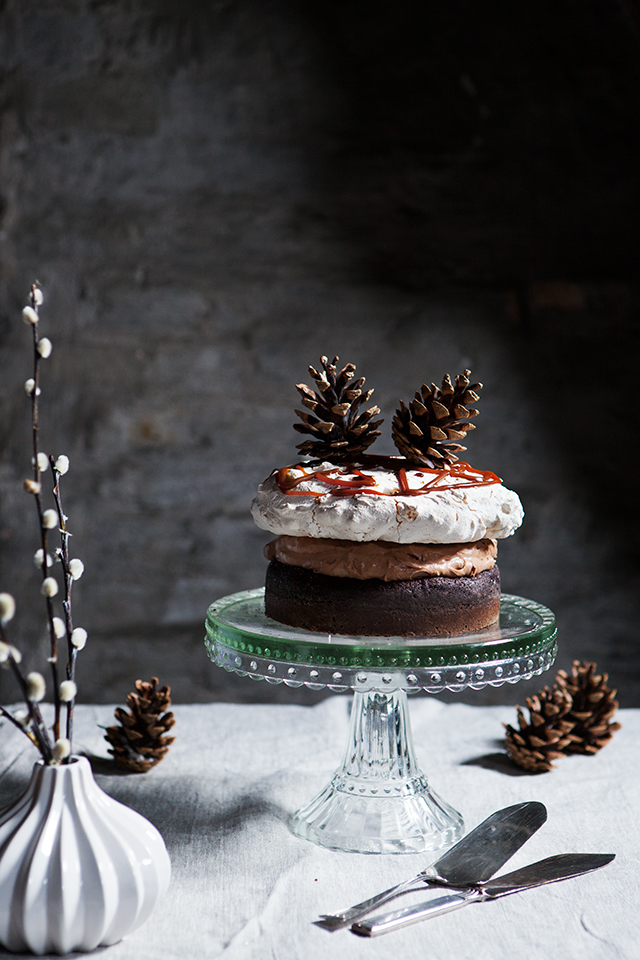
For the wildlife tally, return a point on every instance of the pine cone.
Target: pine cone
(338, 426)
(593, 706)
(546, 736)
(140, 742)
(427, 431)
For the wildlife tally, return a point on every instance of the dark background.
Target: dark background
(213, 194)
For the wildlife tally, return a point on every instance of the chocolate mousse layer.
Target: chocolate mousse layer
(383, 560)
(427, 606)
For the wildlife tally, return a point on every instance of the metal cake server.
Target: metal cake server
(561, 867)
(470, 862)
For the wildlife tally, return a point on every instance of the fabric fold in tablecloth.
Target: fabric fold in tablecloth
(245, 888)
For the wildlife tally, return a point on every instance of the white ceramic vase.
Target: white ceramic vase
(77, 869)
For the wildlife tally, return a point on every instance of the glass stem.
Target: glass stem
(380, 746)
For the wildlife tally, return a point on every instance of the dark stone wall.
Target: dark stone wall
(213, 194)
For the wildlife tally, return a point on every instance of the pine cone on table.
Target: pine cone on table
(339, 428)
(545, 736)
(428, 430)
(593, 706)
(140, 741)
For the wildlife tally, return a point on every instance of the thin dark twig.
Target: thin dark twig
(52, 748)
(34, 710)
(39, 727)
(5, 713)
(68, 583)
(37, 476)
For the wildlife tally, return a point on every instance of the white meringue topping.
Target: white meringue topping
(461, 514)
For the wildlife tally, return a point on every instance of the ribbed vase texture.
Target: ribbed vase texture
(77, 869)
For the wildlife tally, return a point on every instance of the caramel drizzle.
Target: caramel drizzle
(341, 487)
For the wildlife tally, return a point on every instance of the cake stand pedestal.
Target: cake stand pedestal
(379, 801)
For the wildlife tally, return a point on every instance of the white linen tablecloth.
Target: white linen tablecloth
(243, 886)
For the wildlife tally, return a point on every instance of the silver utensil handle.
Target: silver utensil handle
(403, 918)
(334, 921)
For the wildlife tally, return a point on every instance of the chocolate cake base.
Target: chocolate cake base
(428, 606)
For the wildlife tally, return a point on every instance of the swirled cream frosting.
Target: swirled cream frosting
(400, 505)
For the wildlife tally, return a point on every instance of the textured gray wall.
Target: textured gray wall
(213, 194)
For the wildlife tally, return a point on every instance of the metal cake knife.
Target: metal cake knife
(561, 867)
(471, 861)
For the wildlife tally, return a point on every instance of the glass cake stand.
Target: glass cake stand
(379, 801)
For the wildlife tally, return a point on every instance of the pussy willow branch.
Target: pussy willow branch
(38, 725)
(35, 428)
(38, 732)
(68, 583)
(5, 713)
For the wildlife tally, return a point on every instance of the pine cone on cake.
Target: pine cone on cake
(336, 423)
(428, 430)
(545, 736)
(593, 706)
(139, 742)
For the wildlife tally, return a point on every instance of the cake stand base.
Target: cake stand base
(378, 801)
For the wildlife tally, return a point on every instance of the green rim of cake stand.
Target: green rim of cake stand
(241, 638)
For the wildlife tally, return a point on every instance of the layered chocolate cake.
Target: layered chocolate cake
(384, 546)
